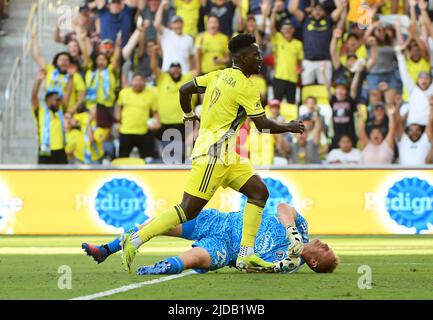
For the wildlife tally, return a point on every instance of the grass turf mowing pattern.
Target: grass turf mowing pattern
(402, 268)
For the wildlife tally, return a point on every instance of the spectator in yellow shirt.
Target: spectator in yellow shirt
(169, 109)
(211, 47)
(288, 53)
(102, 82)
(86, 144)
(135, 105)
(77, 95)
(189, 11)
(50, 124)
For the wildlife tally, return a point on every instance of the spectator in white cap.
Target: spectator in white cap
(176, 46)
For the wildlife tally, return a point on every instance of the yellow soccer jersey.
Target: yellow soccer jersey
(107, 99)
(136, 109)
(79, 87)
(287, 54)
(56, 135)
(80, 143)
(211, 47)
(413, 69)
(229, 98)
(189, 11)
(169, 108)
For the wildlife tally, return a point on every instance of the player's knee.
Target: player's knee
(190, 211)
(261, 194)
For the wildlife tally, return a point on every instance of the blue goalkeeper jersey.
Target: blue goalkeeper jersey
(220, 234)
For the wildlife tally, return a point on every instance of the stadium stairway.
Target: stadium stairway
(23, 142)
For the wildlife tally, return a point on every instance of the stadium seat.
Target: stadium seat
(287, 110)
(317, 91)
(128, 161)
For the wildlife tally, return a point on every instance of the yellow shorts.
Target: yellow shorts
(208, 173)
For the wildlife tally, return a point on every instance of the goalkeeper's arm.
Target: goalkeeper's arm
(287, 217)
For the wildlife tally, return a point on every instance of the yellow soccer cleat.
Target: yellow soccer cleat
(253, 262)
(128, 252)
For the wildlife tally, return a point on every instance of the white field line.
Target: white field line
(133, 286)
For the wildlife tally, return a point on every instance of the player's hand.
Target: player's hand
(288, 264)
(296, 126)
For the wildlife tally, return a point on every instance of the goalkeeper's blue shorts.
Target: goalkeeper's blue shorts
(212, 232)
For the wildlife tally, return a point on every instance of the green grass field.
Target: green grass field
(402, 268)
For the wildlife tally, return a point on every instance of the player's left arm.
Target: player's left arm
(265, 125)
(249, 99)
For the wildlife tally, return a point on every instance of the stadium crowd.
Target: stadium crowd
(357, 74)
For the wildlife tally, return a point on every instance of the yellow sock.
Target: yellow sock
(251, 222)
(162, 223)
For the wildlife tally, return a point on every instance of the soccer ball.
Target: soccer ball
(287, 265)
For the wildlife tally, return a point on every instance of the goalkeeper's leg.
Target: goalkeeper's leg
(195, 258)
(187, 210)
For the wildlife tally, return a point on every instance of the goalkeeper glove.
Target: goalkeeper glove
(296, 245)
(289, 264)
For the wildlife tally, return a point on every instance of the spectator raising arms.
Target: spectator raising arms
(317, 35)
(114, 17)
(176, 46)
(50, 124)
(101, 84)
(224, 10)
(418, 92)
(376, 148)
(415, 141)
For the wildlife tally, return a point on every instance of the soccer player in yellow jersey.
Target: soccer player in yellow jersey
(229, 98)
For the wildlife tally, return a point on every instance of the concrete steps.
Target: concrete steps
(23, 142)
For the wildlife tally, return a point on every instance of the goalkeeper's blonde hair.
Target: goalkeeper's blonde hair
(327, 267)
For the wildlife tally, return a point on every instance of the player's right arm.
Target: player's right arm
(197, 85)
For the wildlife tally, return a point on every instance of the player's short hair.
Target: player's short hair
(240, 42)
(327, 267)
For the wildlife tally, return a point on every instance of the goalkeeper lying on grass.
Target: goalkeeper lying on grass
(282, 239)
